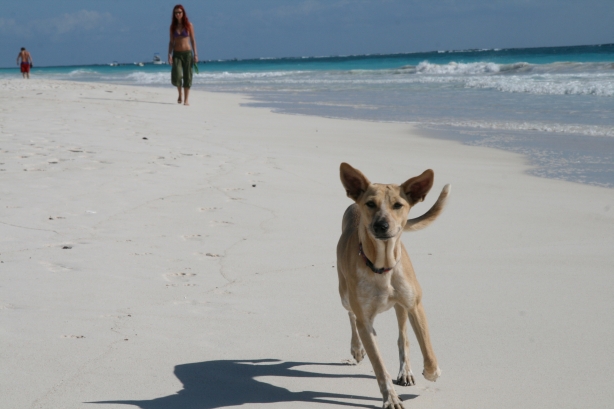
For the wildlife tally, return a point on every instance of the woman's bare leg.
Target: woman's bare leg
(179, 90)
(186, 92)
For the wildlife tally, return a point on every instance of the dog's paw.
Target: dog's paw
(432, 376)
(406, 378)
(393, 402)
(358, 353)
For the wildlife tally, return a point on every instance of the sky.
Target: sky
(78, 32)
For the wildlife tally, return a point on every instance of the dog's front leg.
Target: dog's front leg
(356, 348)
(367, 336)
(405, 378)
(417, 317)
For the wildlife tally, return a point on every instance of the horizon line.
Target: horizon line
(348, 56)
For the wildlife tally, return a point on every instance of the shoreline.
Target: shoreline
(161, 272)
(576, 158)
(557, 155)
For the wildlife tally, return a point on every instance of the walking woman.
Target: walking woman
(180, 48)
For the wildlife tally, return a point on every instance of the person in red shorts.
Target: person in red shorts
(26, 62)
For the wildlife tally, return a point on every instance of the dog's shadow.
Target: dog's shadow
(217, 384)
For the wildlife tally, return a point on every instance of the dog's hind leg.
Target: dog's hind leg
(405, 378)
(417, 317)
(358, 352)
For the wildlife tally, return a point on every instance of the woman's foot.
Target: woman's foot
(186, 94)
(179, 100)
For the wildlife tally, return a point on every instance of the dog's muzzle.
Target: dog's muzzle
(380, 230)
(381, 226)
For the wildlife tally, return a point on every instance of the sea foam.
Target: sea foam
(547, 84)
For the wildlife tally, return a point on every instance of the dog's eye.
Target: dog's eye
(397, 205)
(370, 204)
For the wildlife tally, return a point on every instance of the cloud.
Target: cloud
(78, 21)
(56, 26)
(308, 7)
(9, 26)
(301, 9)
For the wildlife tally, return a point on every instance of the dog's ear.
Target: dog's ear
(417, 187)
(354, 182)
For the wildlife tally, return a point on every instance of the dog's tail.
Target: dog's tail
(427, 218)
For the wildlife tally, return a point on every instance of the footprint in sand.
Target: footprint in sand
(55, 268)
(428, 388)
(177, 278)
(232, 189)
(114, 316)
(221, 291)
(192, 237)
(208, 209)
(220, 223)
(213, 255)
(73, 336)
(180, 274)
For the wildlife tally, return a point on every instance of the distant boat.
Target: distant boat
(114, 64)
(157, 60)
(140, 64)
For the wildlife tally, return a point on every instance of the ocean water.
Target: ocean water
(554, 105)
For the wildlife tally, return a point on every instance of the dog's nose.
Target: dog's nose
(380, 226)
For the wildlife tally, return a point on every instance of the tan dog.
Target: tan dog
(375, 272)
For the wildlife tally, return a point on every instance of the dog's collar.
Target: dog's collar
(370, 264)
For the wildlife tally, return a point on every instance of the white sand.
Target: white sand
(179, 268)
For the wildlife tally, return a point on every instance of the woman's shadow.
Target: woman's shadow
(216, 384)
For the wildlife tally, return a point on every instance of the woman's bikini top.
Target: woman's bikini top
(184, 33)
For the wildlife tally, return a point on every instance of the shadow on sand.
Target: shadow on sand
(217, 384)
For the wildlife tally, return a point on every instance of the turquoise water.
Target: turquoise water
(555, 105)
(546, 55)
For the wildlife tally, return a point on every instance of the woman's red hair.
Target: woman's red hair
(184, 20)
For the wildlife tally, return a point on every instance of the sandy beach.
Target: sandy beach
(160, 256)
